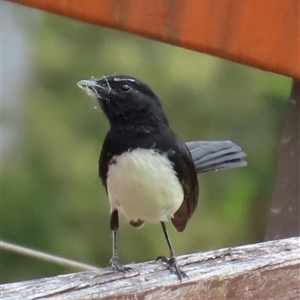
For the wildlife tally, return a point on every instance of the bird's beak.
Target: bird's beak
(92, 88)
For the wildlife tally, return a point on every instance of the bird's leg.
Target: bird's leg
(115, 261)
(171, 262)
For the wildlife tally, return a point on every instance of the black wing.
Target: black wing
(187, 175)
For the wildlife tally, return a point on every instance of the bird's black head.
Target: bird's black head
(126, 101)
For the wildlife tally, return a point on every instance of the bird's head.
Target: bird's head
(125, 100)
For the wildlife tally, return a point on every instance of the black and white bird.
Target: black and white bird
(150, 175)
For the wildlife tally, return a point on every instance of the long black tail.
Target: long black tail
(216, 155)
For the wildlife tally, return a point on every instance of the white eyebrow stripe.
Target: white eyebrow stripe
(124, 79)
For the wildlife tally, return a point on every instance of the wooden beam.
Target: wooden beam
(263, 34)
(284, 216)
(269, 270)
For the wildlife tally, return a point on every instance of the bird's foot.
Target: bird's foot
(117, 266)
(173, 267)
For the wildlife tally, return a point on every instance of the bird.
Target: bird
(149, 173)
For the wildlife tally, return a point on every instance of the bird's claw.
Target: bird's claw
(117, 266)
(173, 267)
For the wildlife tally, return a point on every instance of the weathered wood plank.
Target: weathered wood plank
(284, 216)
(269, 270)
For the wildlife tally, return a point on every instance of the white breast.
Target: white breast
(142, 185)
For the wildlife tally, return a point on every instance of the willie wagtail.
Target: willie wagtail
(150, 175)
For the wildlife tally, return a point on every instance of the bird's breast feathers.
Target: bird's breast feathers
(143, 186)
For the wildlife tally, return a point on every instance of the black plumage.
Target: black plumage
(141, 139)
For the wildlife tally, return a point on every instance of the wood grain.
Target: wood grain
(263, 34)
(269, 270)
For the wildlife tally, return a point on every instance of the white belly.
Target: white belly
(142, 185)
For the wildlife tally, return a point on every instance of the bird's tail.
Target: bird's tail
(216, 155)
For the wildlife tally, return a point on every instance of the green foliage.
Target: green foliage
(52, 197)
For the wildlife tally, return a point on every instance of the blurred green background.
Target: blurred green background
(52, 198)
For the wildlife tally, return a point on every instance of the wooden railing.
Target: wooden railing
(269, 270)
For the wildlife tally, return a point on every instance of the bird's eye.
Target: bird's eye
(125, 87)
